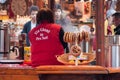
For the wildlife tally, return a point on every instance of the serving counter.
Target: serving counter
(114, 73)
(68, 72)
(58, 72)
(17, 72)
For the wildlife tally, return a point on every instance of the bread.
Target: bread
(73, 37)
(75, 50)
(87, 38)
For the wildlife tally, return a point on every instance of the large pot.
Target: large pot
(1, 40)
(4, 39)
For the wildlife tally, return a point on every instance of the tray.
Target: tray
(64, 59)
(11, 61)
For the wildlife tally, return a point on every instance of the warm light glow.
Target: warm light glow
(90, 0)
(111, 0)
(82, 0)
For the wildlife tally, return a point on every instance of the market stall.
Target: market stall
(78, 71)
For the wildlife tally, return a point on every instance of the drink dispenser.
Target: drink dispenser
(1, 40)
(112, 51)
(4, 41)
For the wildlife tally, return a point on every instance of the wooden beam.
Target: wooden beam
(100, 55)
(52, 4)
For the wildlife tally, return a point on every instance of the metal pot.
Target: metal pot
(112, 51)
(4, 40)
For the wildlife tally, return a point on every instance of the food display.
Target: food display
(76, 55)
(75, 50)
(76, 38)
(69, 59)
(71, 37)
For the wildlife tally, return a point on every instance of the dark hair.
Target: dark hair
(57, 6)
(33, 8)
(117, 15)
(45, 14)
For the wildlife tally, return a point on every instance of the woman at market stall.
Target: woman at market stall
(46, 40)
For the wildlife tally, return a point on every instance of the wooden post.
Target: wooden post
(52, 4)
(100, 53)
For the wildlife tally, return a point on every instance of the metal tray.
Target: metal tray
(11, 61)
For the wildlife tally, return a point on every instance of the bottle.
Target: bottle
(27, 55)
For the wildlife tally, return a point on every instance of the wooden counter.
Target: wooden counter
(60, 72)
(69, 69)
(15, 72)
(83, 72)
(113, 70)
(114, 73)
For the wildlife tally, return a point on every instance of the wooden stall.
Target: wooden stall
(67, 72)
(8, 72)
(17, 72)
